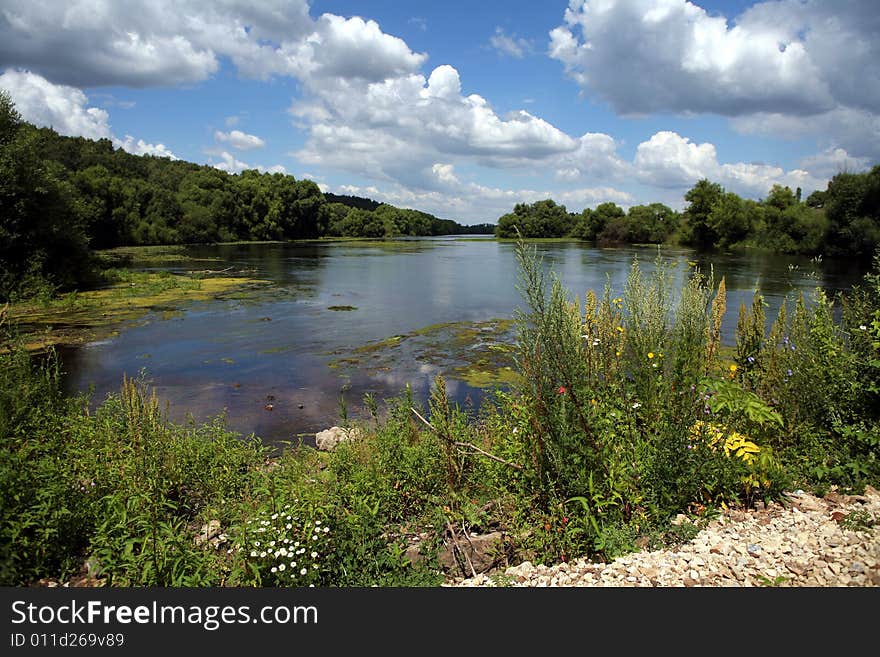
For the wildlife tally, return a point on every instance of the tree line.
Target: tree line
(841, 221)
(61, 198)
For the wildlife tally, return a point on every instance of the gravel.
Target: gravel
(807, 541)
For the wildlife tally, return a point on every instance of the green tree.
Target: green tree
(543, 218)
(852, 206)
(701, 199)
(42, 237)
(728, 220)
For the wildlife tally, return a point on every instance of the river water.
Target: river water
(269, 360)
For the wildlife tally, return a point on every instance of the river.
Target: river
(279, 361)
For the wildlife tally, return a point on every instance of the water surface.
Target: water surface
(276, 350)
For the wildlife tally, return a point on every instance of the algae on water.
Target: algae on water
(477, 353)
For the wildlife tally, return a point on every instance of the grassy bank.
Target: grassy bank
(126, 295)
(624, 413)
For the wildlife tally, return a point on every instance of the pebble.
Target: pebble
(798, 544)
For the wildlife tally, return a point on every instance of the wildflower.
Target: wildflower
(788, 372)
(733, 368)
(253, 553)
(317, 523)
(288, 526)
(282, 567)
(274, 569)
(326, 529)
(303, 571)
(262, 554)
(637, 405)
(751, 359)
(619, 329)
(564, 520)
(257, 543)
(293, 564)
(314, 554)
(650, 354)
(617, 353)
(862, 327)
(653, 364)
(515, 430)
(593, 402)
(561, 390)
(274, 516)
(314, 537)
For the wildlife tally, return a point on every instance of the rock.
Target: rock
(479, 552)
(413, 554)
(328, 439)
(208, 531)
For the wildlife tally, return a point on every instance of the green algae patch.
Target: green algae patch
(476, 377)
(477, 353)
(82, 317)
(147, 255)
(381, 345)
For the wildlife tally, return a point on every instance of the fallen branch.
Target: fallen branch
(468, 445)
(461, 552)
(211, 271)
(488, 455)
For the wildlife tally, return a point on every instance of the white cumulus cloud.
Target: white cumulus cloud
(239, 140)
(59, 107)
(65, 109)
(140, 147)
(781, 67)
(669, 160)
(227, 162)
(509, 44)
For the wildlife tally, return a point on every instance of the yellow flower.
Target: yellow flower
(733, 368)
(650, 354)
(620, 329)
(617, 353)
(593, 402)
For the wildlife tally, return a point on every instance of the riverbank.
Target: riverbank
(82, 317)
(808, 541)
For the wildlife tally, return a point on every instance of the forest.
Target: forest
(841, 221)
(62, 198)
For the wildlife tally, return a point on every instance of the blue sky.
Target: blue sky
(463, 109)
